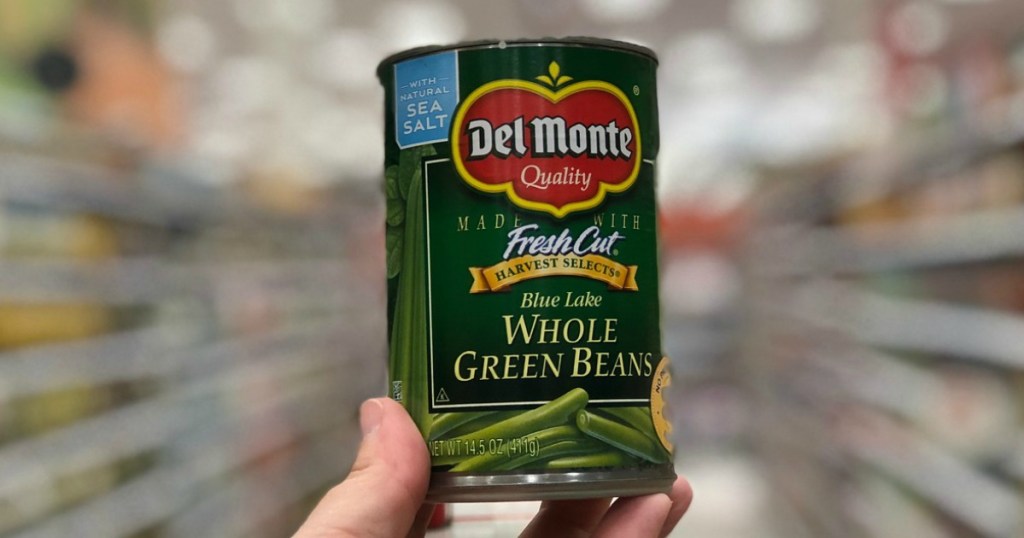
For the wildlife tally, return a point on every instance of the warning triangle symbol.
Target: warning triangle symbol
(442, 396)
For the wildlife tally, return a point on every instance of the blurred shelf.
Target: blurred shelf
(883, 509)
(145, 353)
(222, 368)
(885, 296)
(167, 419)
(158, 353)
(214, 512)
(994, 337)
(149, 280)
(159, 494)
(902, 246)
(989, 506)
(921, 243)
(1014, 464)
(149, 423)
(69, 187)
(932, 327)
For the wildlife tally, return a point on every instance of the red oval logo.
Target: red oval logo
(557, 148)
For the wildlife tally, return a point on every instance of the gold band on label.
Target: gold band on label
(500, 276)
(659, 385)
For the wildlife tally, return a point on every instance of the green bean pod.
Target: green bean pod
(620, 436)
(443, 423)
(608, 458)
(409, 330)
(638, 418)
(480, 421)
(553, 413)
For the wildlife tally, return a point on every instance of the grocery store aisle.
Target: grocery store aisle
(193, 258)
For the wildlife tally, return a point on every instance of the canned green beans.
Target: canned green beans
(522, 267)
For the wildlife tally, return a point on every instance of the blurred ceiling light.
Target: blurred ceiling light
(298, 17)
(776, 21)
(860, 57)
(346, 59)
(249, 84)
(623, 10)
(549, 9)
(304, 16)
(408, 24)
(187, 42)
(797, 126)
(254, 14)
(704, 62)
(698, 135)
(854, 69)
(919, 27)
(357, 130)
(341, 140)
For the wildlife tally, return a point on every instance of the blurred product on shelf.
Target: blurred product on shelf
(442, 517)
(123, 87)
(33, 235)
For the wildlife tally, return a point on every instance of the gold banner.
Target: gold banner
(500, 276)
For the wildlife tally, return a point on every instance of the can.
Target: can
(522, 263)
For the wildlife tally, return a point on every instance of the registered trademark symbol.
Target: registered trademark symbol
(615, 252)
(636, 90)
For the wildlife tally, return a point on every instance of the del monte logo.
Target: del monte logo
(555, 145)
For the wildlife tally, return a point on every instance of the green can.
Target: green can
(522, 267)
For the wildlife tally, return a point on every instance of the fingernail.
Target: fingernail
(371, 413)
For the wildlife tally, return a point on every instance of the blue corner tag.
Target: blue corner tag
(426, 93)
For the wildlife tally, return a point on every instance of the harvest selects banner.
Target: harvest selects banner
(502, 275)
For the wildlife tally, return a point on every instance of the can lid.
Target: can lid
(573, 41)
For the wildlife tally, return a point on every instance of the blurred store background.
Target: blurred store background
(191, 258)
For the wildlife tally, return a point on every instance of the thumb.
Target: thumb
(387, 483)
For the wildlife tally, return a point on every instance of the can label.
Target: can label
(522, 256)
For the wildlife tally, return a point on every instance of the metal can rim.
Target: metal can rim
(573, 41)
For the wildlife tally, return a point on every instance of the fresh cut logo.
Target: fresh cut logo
(554, 146)
(530, 255)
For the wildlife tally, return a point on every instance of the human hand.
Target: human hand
(383, 495)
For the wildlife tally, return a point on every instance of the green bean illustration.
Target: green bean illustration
(638, 418)
(459, 424)
(608, 458)
(621, 436)
(443, 423)
(545, 438)
(393, 242)
(560, 449)
(554, 413)
(408, 363)
(396, 204)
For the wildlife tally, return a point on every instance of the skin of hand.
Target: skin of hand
(383, 495)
